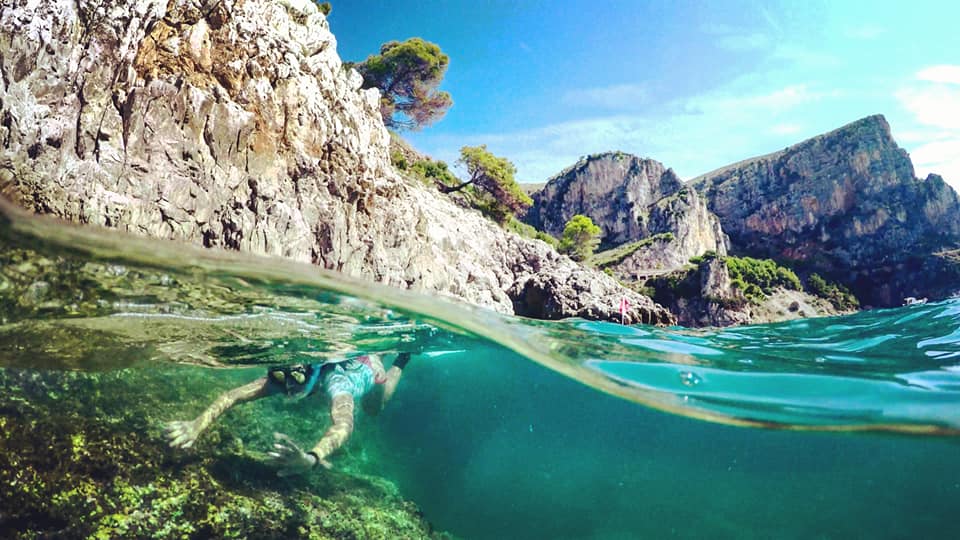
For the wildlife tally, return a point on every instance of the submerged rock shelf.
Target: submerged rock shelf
(82, 456)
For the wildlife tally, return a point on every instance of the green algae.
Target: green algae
(82, 456)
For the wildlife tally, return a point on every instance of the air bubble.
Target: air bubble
(689, 378)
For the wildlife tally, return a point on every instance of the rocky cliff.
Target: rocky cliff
(847, 204)
(683, 228)
(705, 295)
(639, 205)
(614, 189)
(232, 123)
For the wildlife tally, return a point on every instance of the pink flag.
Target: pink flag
(624, 307)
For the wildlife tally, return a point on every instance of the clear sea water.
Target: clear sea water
(504, 427)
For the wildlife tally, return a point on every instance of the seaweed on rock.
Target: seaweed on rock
(82, 456)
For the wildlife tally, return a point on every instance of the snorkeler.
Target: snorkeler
(342, 381)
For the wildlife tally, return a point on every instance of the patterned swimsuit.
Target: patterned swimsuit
(351, 376)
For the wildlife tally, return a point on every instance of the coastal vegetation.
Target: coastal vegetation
(580, 238)
(757, 278)
(408, 75)
(495, 190)
(836, 294)
(754, 279)
(528, 231)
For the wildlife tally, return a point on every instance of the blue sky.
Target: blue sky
(696, 85)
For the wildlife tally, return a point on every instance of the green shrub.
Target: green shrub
(764, 274)
(707, 256)
(616, 255)
(433, 172)
(528, 231)
(836, 294)
(398, 160)
(580, 237)
(548, 238)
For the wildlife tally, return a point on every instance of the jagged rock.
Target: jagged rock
(705, 296)
(614, 189)
(551, 296)
(233, 124)
(683, 228)
(714, 301)
(847, 204)
(631, 200)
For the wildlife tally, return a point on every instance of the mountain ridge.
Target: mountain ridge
(845, 204)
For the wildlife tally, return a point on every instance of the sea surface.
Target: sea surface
(504, 427)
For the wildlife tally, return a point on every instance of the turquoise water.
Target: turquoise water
(510, 428)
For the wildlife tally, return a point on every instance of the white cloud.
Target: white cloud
(940, 157)
(945, 74)
(771, 102)
(785, 129)
(934, 102)
(804, 57)
(618, 96)
(866, 32)
(743, 42)
(693, 135)
(922, 136)
(933, 105)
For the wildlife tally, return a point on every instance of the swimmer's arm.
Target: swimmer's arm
(292, 460)
(182, 434)
(341, 412)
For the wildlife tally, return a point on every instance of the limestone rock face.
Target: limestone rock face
(705, 296)
(614, 189)
(716, 299)
(847, 203)
(685, 228)
(232, 123)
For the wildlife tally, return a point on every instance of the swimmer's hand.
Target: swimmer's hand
(290, 459)
(182, 433)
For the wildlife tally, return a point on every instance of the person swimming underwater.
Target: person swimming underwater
(342, 380)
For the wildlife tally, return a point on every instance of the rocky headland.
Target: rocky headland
(846, 204)
(842, 210)
(233, 124)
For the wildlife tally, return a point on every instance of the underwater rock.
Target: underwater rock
(82, 457)
(234, 124)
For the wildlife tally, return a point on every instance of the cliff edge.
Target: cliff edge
(847, 204)
(233, 124)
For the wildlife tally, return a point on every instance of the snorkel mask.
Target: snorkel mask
(297, 380)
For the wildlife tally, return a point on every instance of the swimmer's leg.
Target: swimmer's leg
(393, 377)
(376, 400)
